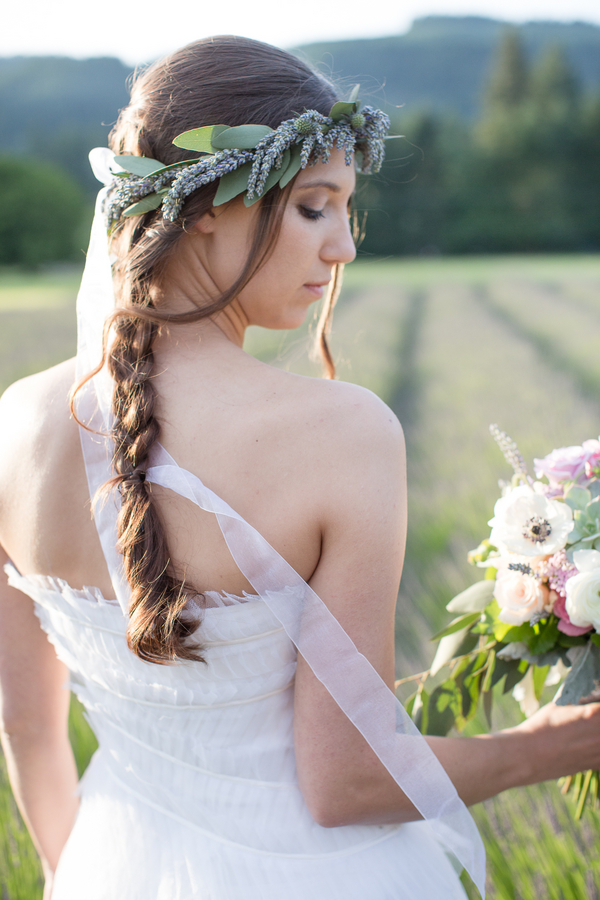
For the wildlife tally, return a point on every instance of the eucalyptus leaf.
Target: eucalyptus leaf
(354, 94)
(146, 204)
(473, 599)
(139, 165)
(457, 625)
(447, 649)
(341, 109)
(232, 184)
(178, 165)
(293, 166)
(240, 137)
(583, 677)
(272, 179)
(199, 138)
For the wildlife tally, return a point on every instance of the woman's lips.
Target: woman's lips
(316, 289)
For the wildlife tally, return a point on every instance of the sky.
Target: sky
(142, 30)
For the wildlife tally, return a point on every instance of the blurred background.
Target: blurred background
(475, 298)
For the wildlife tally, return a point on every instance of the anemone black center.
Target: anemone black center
(537, 530)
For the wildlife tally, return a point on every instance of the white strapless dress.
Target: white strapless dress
(193, 790)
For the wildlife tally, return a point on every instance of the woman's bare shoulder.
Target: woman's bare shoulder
(35, 418)
(349, 417)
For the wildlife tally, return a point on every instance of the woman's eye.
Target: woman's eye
(310, 213)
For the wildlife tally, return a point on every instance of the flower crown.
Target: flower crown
(247, 159)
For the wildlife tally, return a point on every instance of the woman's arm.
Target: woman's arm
(34, 705)
(364, 522)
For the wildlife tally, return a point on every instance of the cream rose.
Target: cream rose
(519, 596)
(583, 590)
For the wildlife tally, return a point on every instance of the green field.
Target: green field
(452, 346)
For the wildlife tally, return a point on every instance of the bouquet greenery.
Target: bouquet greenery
(534, 620)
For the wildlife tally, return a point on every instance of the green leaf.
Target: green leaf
(539, 679)
(444, 708)
(448, 648)
(489, 672)
(232, 184)
(488, 698)
(146, 204)
(457, 625)
(293, 167)
(410, 703)
(199, 139)
(139, 165)
(354, 94)
(421, 709)
(595, 639)
(178, 165)
(577, 497)
(582, 676)
(546, 638)
(510, 634)
(473, 599)
(594, 488)
(572, 640)
(341, 109)
(503, 667)
(515, 675)
(240, 137)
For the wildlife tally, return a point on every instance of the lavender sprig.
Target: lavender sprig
(510, 451)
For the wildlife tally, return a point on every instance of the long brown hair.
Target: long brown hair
(229, 80)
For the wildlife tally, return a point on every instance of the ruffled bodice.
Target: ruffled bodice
(193, 738)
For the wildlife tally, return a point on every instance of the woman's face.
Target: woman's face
(315, 236)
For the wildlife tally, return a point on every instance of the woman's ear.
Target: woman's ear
(205, 224)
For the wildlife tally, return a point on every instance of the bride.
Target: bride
(236, 651)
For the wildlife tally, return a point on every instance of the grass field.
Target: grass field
(451, 345)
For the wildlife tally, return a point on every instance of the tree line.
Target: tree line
(522, 177)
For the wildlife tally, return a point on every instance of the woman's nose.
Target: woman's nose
(340, 248)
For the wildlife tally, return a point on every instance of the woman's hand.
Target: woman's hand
(563, 740)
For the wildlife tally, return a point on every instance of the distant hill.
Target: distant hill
(58, 108)
(442, 62)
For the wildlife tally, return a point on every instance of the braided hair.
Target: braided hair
(223, 79)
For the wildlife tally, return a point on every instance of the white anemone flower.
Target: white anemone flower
(528, 523)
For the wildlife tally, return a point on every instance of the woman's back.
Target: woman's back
(272, 444)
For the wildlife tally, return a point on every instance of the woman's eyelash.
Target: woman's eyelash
(310, 213)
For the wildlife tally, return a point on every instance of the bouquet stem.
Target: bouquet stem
(584, 787)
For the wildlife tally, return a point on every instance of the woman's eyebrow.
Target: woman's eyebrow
(330, 185)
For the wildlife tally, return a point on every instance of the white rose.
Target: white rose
(519, 596)
(583, 590)
(526, 522)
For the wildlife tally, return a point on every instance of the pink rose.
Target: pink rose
(568, 463)
(565, 625)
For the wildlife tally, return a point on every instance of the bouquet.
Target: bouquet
(534, 619)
